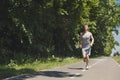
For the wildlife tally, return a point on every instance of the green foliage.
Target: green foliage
(42, 28)
(14, 69)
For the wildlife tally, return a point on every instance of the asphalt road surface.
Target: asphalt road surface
(100, 69)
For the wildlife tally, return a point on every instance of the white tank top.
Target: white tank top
(86, 39)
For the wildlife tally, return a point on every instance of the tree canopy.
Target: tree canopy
(42, 28)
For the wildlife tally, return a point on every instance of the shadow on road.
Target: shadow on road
(51, 74)
(8, 72)
(77, 68)
(58, 74)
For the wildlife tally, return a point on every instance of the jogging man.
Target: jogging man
(86, 43)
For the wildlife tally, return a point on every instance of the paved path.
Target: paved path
(100, 69)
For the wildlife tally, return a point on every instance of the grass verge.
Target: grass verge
(117, 58)
(13, 69)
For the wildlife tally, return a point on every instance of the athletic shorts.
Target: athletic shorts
(86, 51)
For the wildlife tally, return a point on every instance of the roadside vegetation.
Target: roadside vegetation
(117, 58)
(13, 69)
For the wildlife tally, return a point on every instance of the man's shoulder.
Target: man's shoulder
(89, 33)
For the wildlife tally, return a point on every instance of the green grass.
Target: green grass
(13, 69)
(117, 58)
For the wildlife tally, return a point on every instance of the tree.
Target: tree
(42, 28)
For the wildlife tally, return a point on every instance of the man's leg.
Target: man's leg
(84, 57)
(87, 61)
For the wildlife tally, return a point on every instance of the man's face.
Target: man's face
(85, 27)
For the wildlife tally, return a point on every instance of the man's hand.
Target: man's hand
(80, 46)
(91, 45)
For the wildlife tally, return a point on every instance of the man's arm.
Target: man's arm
(92, 40)
(80, 40)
